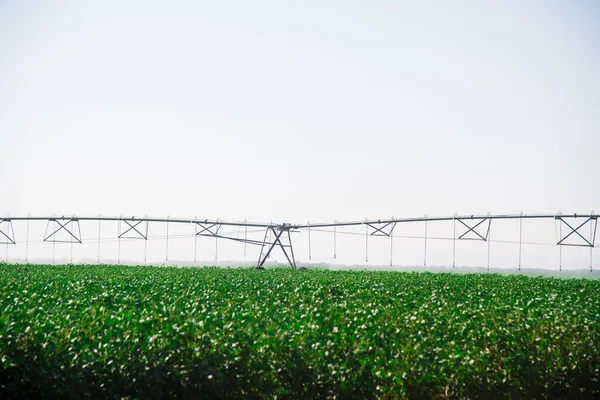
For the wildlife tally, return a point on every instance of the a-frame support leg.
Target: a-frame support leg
(262, 258)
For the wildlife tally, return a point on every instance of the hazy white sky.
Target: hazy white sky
(299, 111)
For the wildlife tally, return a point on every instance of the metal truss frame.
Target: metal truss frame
(7, 237)
(473, 228)
(381, 230)
(586, 243)
(70, 220)
(213, 229)
(133, 223)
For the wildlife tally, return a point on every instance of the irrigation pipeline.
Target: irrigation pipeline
(572, 231)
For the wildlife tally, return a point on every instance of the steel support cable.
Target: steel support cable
(54, 245)
(334, 239)
(245, 237)
(560, 247)
(71, 241)
(217, 241)
(309, 246)
(521, 238)
(146, 241)
(425, 250)
(439, 219)
(195, 241)
(158, 237)
(392, 246)
(366, 242)
(454, 240)
(6, 255)
(488, 239)
(155, 238)
(99, 238)
(27, 241)
(434, 237)
(145, 219)
(489, 242)
(167, 247)
(592, 240)
(119, 237)
(183, 236)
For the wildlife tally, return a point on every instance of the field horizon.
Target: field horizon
(583, 272)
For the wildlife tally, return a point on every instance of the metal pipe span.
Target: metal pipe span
(299, 226)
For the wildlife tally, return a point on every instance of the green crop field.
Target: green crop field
(162, 332)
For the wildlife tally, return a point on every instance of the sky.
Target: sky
(299, 111)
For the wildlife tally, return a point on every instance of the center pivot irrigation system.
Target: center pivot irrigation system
(580, 230)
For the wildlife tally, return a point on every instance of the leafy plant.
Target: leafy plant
(88, 331)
